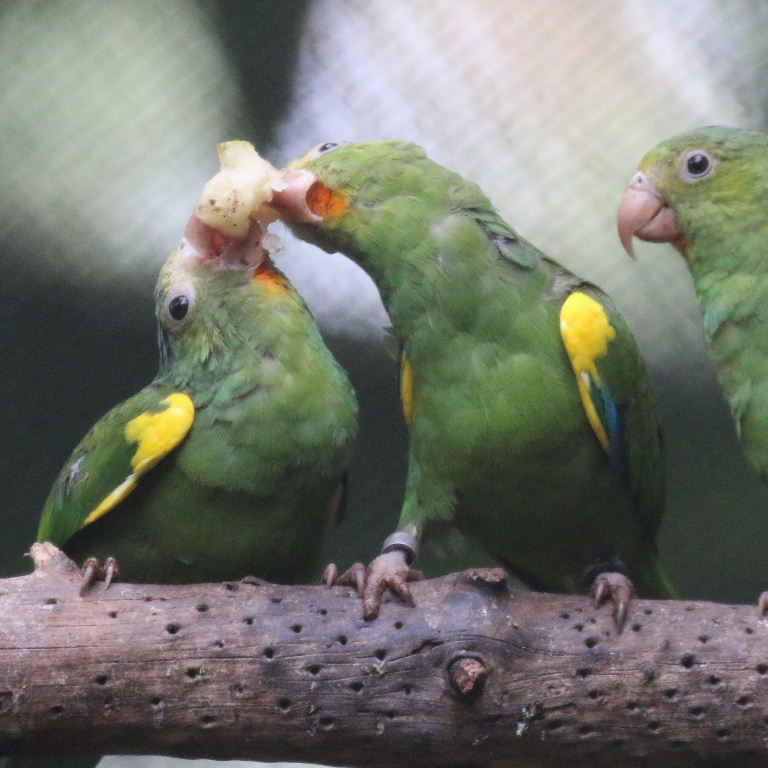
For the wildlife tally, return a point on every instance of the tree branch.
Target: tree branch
(475, 675)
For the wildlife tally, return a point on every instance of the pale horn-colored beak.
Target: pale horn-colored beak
(644, 213)
(291, 202)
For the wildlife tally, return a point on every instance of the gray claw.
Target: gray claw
(110, 571)
(599, 590)
(360, 581)
(93, 571)
(330, 574)
(90, 572)
(619, 589)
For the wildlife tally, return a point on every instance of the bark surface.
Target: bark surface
(474, 675)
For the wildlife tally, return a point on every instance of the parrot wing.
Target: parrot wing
(108, 463)
(617, 400)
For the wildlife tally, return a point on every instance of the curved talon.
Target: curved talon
(762, 604)
(359, 576)
(354, 576)
(619, 589)
(330, 575)
(90, 572)
(93, 572)
(599, 590)
(110, 571)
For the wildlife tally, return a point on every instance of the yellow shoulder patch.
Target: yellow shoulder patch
(586, 333)
(406, 389)
(157, 434)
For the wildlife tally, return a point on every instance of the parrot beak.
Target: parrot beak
(291, 203)
(644, 213)
(219, 251)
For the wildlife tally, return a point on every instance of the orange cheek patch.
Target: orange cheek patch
(269, 277)
(326, 202)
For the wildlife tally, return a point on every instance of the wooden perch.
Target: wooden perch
(475, 675)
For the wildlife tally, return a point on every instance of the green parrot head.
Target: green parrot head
(688, 187)
(361, 199)
(212, 294)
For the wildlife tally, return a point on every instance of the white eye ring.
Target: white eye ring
(328, 146)
(178, 306)
(697, 164)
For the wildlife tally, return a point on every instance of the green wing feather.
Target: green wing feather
(107, 463)
(620, 394)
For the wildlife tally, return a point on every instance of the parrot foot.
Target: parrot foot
(762, 604)
(619, 589)
(93, 571)
(388, 571)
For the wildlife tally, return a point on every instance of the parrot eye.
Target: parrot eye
(178, 306)
(698, 164)
(321, 149)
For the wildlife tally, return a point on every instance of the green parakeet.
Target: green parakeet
(532, 424)
(706, 192)
(230, 461)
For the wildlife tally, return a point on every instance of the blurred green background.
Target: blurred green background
(109, 115)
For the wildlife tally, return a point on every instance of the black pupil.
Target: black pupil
(178, 307)
(698, 164)
(328, 145)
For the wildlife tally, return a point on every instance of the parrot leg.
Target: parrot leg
(619, 589)
(93, 571)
